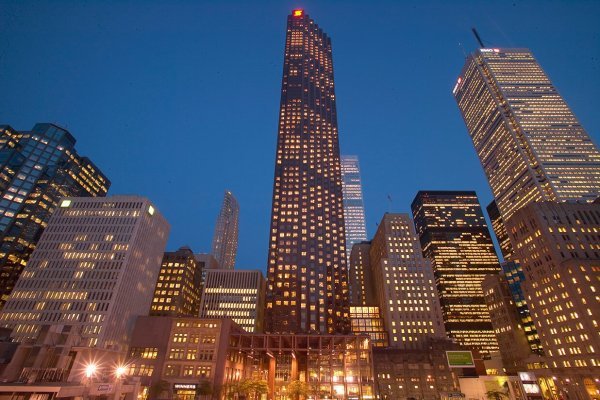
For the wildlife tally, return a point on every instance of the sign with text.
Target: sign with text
(460, 359)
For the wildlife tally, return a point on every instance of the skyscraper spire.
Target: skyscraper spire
(307, 276)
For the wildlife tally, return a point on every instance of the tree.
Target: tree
(254, 387)
(496, 394)
(297, 388)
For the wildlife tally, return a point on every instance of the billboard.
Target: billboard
(460, 359)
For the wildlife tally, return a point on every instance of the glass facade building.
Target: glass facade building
(307, 289)
(354, 208)
(455, 237)
(225, 239)
(530, 144)
(37, 168)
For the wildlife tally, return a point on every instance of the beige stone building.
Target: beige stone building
(558, 245)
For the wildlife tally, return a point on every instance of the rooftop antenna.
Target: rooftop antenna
(481, 45)
(462, 49)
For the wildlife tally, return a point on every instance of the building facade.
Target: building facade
(332, 366)
(307, 288)
(455, 237)
(530, 144)
(225, 239)
(499, 229)
(190, 354)
(557, 245)
(365, 313)
(354, 208)
(37, 168)
(513, 274)
(239, 295)
(404, 285)
(512, 341)
(402, 374)
(179, 285)
(362, 290)
(94, 269)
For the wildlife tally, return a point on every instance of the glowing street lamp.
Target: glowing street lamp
(90, 370)
(120, 371)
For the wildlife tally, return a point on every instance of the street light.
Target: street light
(120, 371)
(90, 370)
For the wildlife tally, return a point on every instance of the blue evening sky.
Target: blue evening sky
(178, 100)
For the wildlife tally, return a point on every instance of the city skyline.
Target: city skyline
(383, 172)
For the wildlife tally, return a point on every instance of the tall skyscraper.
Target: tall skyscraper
(307, 274)
(354, 208)
(529, 142)
(455, 237)
(37, 168)
(94, 269)
(179, 285)
(225, 240)
(239, 295)
(405, 285)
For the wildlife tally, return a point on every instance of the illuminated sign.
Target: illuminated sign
(531, 388)
(456, 86)
(460, 359)
(298, 13)
(150, 210)
(184, 386)
(65, 203)
(490, 50)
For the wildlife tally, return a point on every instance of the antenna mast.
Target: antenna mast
(481, 45)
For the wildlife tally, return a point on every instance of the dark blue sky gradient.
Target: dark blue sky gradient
(178, 101)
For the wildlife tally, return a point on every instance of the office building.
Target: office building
(37, 168)
(512, 341)
(354, 208)
(416, 374)
(362, 291)
(530, 144)
(94, 270)
(512, 273)
(365, 314)
(190, 354)
(455, 237)
(307, 288)
(239, 295)
(404, 284)
(179, 285)
(557, 245)
(225, 239)
(500, 230)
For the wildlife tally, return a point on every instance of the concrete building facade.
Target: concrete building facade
(94, 268)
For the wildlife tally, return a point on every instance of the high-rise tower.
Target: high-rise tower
(531, 146)
(307, 276)
(455, 237)
(225, 239)
(354, 208)
(37, 168)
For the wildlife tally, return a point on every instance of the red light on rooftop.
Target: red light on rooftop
(298, 13)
